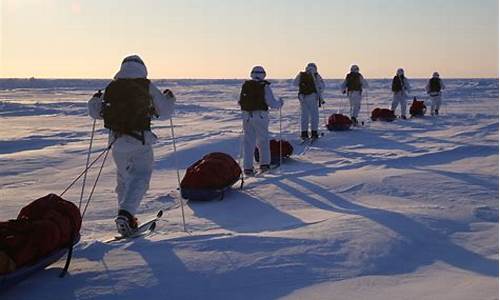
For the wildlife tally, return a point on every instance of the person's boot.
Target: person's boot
(264, 168)
(304, 135)
(436, 112)
(354, 121)
(403, 117)
(249, 172)
(314, 134)
(126, 223)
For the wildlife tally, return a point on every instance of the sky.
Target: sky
(225, 38)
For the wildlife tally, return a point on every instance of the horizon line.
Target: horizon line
(207, 78)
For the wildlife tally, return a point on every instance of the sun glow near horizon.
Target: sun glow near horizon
(224, 38)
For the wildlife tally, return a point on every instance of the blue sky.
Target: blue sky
(225, 38)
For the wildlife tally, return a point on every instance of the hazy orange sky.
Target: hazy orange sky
(225, 38)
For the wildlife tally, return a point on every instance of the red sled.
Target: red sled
(210, 177)
(286, 151)
(43, 232)
(417, 108)
(383, 114)
(339, 122)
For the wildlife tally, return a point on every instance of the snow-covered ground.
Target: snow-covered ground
(402, 210)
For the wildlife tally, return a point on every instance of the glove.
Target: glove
(168, 93)
(281, 102)
(98, 94)
(344, 91)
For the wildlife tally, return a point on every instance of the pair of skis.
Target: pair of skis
(309, 141)
(143, 229)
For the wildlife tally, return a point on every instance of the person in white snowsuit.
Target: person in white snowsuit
(256, 98)
(353, 85)
(433, 88)
(400, 88)
(132, 150)
(311, 87)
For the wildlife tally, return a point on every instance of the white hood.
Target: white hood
(258, 73)
(132, 67)
(311, 68)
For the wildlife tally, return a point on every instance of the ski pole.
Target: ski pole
(177, 170)
(241, 155)
(367, 104)
(87, 165)
(281, 142)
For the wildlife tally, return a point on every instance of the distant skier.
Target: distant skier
(400, 88)
(311, 88)
(127, 106)
(255, 99)
(353, 85)
(433, 88)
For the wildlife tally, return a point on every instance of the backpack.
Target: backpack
(252, 96)
(306, 84)
(398, 83)
(338, 122)
(417, 108)
(353, 82)
(286, 151)
(43, 227)
(210, 177)
(128, 107)
(383, 114)
(435, 85)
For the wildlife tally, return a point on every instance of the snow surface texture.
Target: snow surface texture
(401, 210)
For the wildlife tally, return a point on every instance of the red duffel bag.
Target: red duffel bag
(210, 176)
(286, 151)
(338, 122)
(383, 114)
(417, 108)
(43, 226)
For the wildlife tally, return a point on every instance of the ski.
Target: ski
(259, 174)
(312, 141)
(271, 167)
(142, 230)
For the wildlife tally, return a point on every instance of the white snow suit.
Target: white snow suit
(435, 96)
(399, 97)
(355, 97)
(133, 159)
(256, 130)
(309, 104)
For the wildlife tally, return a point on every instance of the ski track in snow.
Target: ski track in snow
(401, 210)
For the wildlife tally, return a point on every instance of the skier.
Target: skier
(127, 106)
(353, 85)
(255, 99)
(433, 88)
(400, 88)
(311, 88)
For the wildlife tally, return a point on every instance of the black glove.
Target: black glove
(168, 93)
(98, 94)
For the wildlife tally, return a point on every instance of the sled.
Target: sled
(15, 277)
(193, 194)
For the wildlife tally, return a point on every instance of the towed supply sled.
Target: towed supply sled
(339, 122)
(286, 151)
(210, 177)
(383, 114)
(417, 108)
(43, 232)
